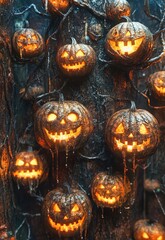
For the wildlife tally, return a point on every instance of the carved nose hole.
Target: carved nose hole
(71, 58)
(131, 135)
(65, 218)
(27, 164)
(62, 121)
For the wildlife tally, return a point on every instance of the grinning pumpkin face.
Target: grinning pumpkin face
(67, 214)
(56, 6)
(76, 60)
(129, 42)
(157, 85)
(62, 125)
(132, 132)
(109, 190)
(145, 229)
(28, 168)
(115, 9)
(28, 43)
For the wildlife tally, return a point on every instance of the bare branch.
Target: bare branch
(32, 6)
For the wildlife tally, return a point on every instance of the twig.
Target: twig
(148, 12)
(32, 6)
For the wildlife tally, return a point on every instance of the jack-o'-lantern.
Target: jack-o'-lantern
(132, 132)
(28, 43)
(157, 85)
(115, 9)
(62, 125)
(129, 42)
(151, 185)
(56, 6)
(147, 229)
(76, 60)
(67, 213)
(29, 169)
(110, 191)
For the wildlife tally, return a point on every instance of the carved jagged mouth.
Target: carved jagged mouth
(109, 200)
(132, 148)
(75, 66)
(28, 174)
(160, 89)
(126, 47)
(66, 227)
(63, 136)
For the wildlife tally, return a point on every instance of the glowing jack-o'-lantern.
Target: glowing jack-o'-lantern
(76, 60)
(67, 213)
(132, 132)
(129, 42)
(62, 125)
(28, 43)
(56, 6)
(145, 229)
(115, 9)
(29, 169)
(109, 190)
(157, 85)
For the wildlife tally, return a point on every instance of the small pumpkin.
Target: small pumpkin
(29, 169)
(129, 42)
(152, 185)
(109, 190)
(147, 229)
(157, 85)
(76, 60)
(56, 6)
(132, 132)
(67, 213)
(28, 43)
(116, 9)
(62, 125)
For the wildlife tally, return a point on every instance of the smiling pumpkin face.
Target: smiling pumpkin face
(67, 214)
(76, 60)
(129, 42)
(109, 190)
(157, 85)
(62, 125)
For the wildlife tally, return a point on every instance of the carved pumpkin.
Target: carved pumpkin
(62, 125)
(28, 43)
(151, 185)
(67, 213)
(56, 6)
(129, 42)
(76, 60)
(132, 132)
(29, 169)
(157, 85)
(147, 229)
(109, 190)
(115, 9)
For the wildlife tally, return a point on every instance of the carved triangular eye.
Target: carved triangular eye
(114, 188)
(72, 117)
(34, 162)
(145, 235)
(143, 129)
(56, 208)
(101, 186)
(19, 162)
(75, 208)
(65, 55)
(160, 238)
(51, 117)
(120, 128)
(80, 53)
(160, 81)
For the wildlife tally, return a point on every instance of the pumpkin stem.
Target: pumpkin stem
(67, 187)
(74, 42)
(133, 106)
(61, 98)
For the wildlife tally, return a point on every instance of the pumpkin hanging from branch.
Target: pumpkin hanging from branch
(116, 9)
(157, 85)
(132, 132)
(28, 43)
(76, 60)
(62, 125)
(109, 190)
(56, 6)
(67, 213)
(130, 43)
(29, 169)
(147, 229)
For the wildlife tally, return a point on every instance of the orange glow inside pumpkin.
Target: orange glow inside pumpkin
(59, 3)
(145, 235)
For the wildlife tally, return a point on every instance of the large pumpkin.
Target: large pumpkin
(76, 60)
(109, 191)
(129, 42)
(28, 43)
(56, 6)
(157, 85)
(67, 213)
(147, 229)
(62, 125)
(115, 9)
(132, 132)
